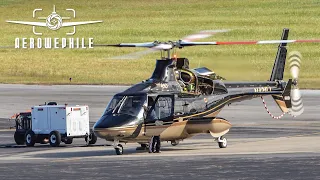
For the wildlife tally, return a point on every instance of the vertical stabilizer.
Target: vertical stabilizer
(279, 63)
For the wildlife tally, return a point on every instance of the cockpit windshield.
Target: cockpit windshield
(130, 105)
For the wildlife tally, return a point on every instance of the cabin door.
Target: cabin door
(159, 115)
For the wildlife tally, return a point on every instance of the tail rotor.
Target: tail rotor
(296, 99)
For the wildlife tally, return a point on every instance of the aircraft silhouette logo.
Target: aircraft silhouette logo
(54, 21)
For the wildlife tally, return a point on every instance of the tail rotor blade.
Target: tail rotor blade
(295, 63)
(296, 101)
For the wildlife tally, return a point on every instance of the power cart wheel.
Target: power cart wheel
(87, 139)
(222, 142)
(30, 138)
(54, 138)
(68, 141)
(92, 138)
(19, 138)
(119, 149)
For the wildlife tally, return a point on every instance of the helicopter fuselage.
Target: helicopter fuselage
(177, 103)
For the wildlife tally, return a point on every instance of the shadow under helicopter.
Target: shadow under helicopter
(104, 152)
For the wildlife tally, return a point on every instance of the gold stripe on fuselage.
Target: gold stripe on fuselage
(223, 103)
(180, 121)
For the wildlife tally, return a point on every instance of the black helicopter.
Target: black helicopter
(177, 102)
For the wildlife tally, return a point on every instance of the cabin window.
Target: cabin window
(187, 81)
(180, 107)
(161, 109)
(220, 89)
(205, 86)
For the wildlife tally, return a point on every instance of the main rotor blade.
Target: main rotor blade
(145, 44)
(203, 34)
(136, 55)
(184, 43)
(154, 47)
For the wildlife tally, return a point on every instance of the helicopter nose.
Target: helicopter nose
(109, 133)
(111, 126)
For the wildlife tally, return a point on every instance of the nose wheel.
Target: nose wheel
(118, 147)
(222, 142)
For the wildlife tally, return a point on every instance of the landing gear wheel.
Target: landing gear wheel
(119, 149)
(222, 142)
(68, 141)
(174, 143)
(30, 138)
(54, 138)
(19, 138)
(143, 147)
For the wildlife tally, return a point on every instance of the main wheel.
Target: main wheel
(174, 143)
(222, 142)
(68, 141)
(19, 138)
(54, 138)
(143, 147)
(30, 138)
(119, 149)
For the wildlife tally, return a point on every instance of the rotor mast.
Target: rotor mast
(166, 48)
(165, 54)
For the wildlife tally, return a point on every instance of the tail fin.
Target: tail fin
(284, 100)
(279, 63)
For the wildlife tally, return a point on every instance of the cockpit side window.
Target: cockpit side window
(113, 104)
(130, 105)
